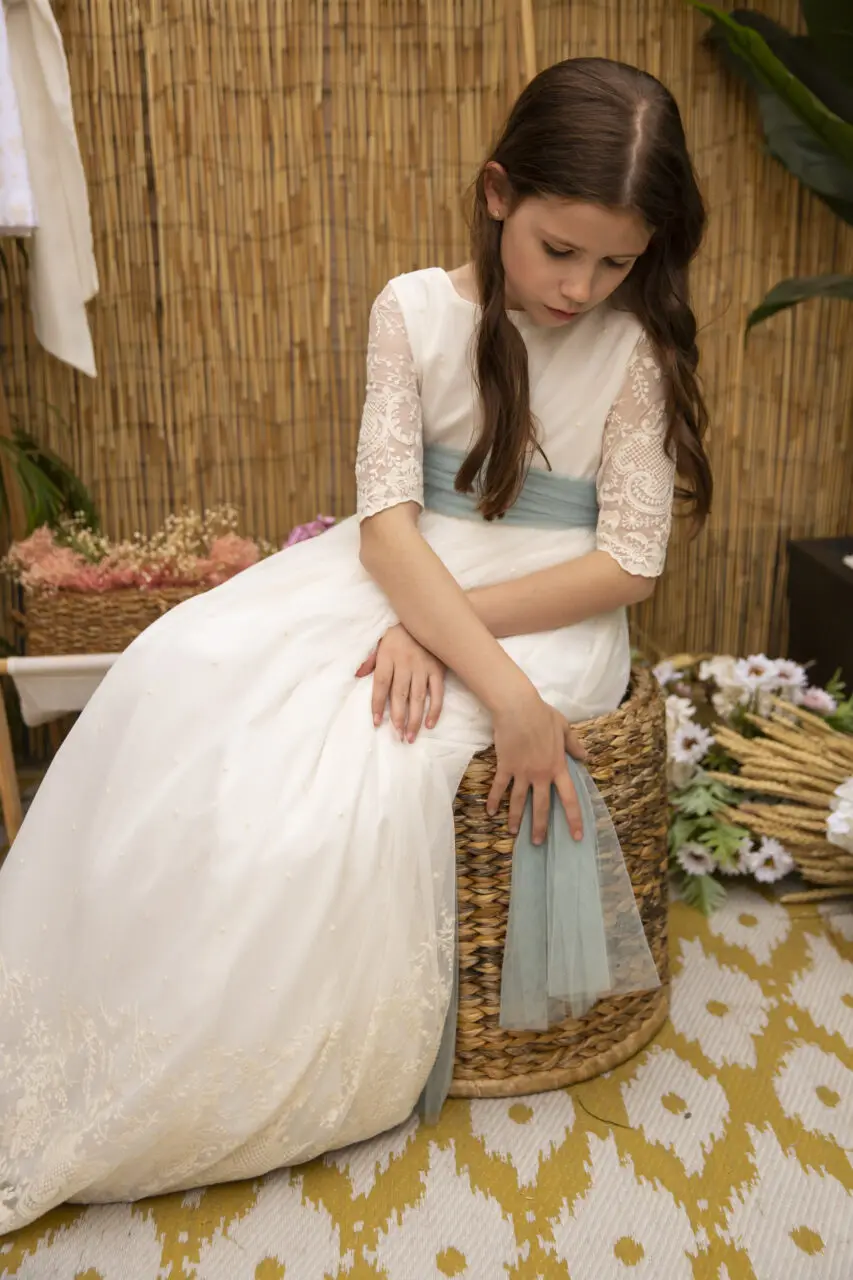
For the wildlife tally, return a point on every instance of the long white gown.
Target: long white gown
(226, 927)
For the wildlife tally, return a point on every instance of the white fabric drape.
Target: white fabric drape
(17, 204)
(63, 275)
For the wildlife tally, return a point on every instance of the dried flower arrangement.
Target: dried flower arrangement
(760, 767)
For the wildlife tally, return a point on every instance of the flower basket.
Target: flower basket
(73, 622)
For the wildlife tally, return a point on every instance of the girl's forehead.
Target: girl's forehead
(610, 233)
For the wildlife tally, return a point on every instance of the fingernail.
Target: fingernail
(430, 724)
(513, 830)
(377, 720)
(577, 833)
(491, 812)
(411, 737)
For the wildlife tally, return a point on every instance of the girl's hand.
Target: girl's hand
(406, 674)
(531, 741)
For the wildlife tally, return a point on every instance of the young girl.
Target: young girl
(226, 928)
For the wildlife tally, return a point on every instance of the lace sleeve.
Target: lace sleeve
(637, 476)
(389, 463)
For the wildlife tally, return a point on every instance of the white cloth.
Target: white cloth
(63, 275)
(193, 987)
(52, 687)
(17, 205)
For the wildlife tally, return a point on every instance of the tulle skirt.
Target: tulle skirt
(227, 925)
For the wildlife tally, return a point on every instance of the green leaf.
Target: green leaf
(830, 27)
(753, 49)
(799, 289)
(724, 839)
(702, 798)
(702, 892)
(681, 831)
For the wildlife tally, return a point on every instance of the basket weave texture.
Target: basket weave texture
(60, 622)
(627, 760)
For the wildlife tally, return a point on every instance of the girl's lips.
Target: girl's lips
(563, 315)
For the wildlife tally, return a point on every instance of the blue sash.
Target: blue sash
(547, 501)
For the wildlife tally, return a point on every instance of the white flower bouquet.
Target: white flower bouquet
(760, 773)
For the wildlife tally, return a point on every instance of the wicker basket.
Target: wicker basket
(627, 759)
(93, 621)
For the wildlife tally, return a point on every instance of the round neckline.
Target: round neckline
(511, 311)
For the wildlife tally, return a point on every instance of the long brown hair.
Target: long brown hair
(603, 132)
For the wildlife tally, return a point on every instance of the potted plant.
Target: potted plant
(804, 87)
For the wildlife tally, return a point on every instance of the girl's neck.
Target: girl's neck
(465, 284)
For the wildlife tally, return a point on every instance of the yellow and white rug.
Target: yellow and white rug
(722, 1152)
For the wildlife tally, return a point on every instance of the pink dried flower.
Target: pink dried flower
(303, 532)
(189, 550)
(818, 700)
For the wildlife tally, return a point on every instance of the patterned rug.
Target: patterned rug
(722, 1152)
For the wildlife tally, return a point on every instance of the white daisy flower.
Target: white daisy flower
(817, 700)
(844, 791)
(679, 712)
(727, 701)
(756, 672)
(839, 824)
(720, 669)
(770, 861)
(790, 674)
(665, 673)
(695, 859)
(690, 744)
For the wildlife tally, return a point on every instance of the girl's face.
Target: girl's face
(563, 257)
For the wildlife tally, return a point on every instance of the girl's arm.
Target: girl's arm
(436, 611)
(560, 596)
(635, 488)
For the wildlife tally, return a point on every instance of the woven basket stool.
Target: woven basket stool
(627, 760)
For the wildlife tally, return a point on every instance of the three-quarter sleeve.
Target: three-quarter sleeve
(389, 462)
(636, 478)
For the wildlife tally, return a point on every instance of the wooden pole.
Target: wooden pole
(10, 794)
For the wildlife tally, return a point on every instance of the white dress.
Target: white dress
(226, 927)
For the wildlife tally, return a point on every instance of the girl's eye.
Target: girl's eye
(617, 266)
(556, 253)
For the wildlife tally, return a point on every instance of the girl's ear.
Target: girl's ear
(498, 191)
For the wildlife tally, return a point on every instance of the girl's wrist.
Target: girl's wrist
(510, 693)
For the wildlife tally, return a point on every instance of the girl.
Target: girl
(227, 926)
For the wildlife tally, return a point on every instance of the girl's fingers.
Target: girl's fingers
(436, 698)
(400, 687)
(517, 801)
(541, 811)
(569, 800)
(574, 746)
(499, 786)
(417, 702)
(382, 678)
(367, 666)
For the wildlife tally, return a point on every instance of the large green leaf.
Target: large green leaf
(789, 292)
(830, 25)
(752, 48)
(802, 58)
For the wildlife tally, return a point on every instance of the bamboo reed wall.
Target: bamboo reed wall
(257, 172)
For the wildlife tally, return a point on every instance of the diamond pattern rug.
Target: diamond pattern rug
(724, 1151)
